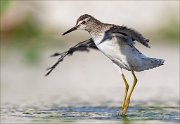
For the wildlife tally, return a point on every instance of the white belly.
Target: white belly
(115, 52)
(120, 53)
(124, 55)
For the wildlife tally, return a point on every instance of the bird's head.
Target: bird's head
(84, 22)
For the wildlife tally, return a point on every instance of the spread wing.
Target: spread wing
(81, 46)
(128, 32)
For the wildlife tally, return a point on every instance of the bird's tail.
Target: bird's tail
(150, 63)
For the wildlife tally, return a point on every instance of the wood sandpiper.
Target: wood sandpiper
(117, 43)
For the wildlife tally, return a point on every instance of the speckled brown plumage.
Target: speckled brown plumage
(96, 27)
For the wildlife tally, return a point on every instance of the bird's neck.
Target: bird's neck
(98, 30)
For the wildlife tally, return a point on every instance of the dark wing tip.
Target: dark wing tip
(47, 73)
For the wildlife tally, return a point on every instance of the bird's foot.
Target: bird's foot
(124, 108)
(123, 111)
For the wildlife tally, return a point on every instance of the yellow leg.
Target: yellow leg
(125, 92)
(129, 96)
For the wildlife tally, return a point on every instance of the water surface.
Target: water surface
(91, 114)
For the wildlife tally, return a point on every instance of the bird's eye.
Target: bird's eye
(83, 22)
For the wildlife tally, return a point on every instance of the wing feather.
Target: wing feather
(81, 46)
(134, 35)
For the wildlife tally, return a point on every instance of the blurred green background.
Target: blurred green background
(21, 24)
(31, 32)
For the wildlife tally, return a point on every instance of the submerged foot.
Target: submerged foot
(123, 112)
(125, 107)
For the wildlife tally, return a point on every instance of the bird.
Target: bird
(118, 44)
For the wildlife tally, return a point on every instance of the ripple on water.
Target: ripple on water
(88, 113)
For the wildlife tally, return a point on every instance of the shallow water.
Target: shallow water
(89, 114)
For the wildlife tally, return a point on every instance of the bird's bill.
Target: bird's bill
(70, 30)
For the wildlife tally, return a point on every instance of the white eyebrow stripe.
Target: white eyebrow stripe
(79, 22)
(86, 19)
